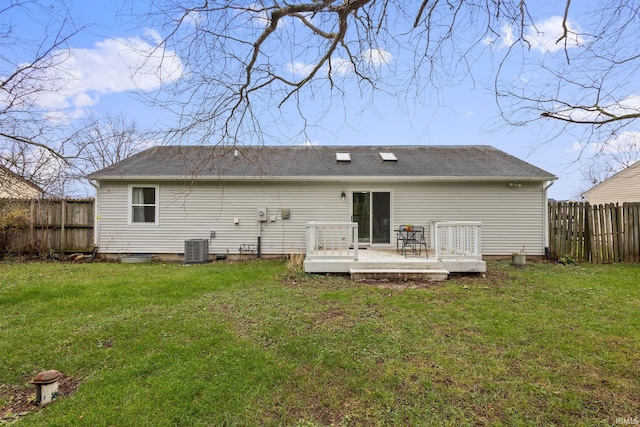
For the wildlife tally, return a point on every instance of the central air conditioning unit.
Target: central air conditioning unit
(196, 251)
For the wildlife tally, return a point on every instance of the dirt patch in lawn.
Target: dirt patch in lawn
(18, 401)
(492, 278)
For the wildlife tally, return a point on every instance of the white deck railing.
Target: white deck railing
(332, 240)
(456, 239)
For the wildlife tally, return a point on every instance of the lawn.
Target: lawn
(254, 343)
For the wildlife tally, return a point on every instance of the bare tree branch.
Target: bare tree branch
(271, 70)
(246, 58)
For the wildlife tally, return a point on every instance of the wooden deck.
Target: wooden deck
(387, 261)
(456, 243)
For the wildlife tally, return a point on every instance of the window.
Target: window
(343, 157)
(144, 205)
(388, 157)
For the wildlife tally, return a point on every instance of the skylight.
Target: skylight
(343, 157)
(389, 157)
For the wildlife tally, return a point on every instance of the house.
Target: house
(621, 187)
(267, 198)
(13, 186)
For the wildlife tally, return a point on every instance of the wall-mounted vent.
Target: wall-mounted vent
(196, 251)
(343, 157)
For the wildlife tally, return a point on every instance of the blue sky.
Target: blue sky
(104, 54)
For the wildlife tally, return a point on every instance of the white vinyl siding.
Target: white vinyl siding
(511, 217)
(193, 211)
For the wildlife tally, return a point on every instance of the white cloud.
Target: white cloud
(576, 146)
(63, 117)
(625, 142)
(299, 68)
(504, 40)
(627, 106)
(544, 36)
(110, 66)
(259, 16)
(343, 67)
(377, 57)
(194, 18)
(153, 36)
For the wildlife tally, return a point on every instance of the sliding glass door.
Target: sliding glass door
(372, 211)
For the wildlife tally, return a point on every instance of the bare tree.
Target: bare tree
(37, 165)
(32, 143)
(107, 140)
(24, 78)
(96, 143)
(255, 71)
(251, 65)
(589, 83)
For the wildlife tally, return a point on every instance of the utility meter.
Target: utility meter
(262, 214)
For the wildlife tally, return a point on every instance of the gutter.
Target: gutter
(96, 213)
(327, 178)
(545, 219)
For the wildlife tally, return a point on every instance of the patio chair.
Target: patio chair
(420, 240)
(410, 237)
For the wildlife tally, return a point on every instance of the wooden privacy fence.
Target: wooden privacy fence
(596, 233)
(40, 226)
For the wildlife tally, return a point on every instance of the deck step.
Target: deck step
(399, 274)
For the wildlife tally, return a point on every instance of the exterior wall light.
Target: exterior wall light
(343, 195)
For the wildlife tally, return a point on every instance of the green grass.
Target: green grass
(252, 344)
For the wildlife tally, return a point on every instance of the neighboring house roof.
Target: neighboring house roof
(320, 162)
(619, 188)
(13, 186)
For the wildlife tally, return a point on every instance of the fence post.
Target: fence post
(615, 230)
(581, 234)
(32, 224)
(63, 220)
(628, 235)
(593, 242)
(635, 229)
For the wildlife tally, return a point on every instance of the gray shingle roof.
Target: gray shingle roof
(425, 162)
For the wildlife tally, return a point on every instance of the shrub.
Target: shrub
(11, 218)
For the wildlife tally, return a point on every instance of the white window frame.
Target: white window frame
(343, 157)
(130, 205)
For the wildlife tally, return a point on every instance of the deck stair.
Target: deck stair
(399, 274)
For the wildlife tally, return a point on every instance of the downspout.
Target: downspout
(545, 216)
(259, 254)
(96, 214)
